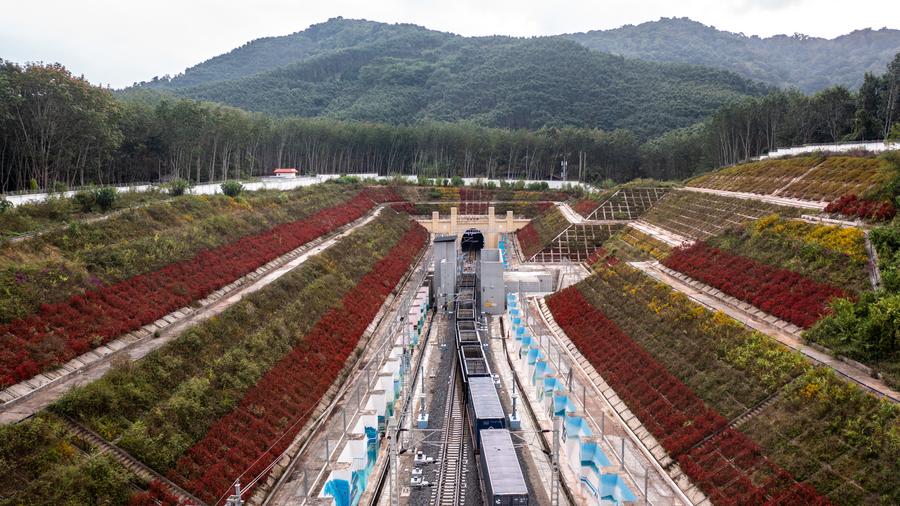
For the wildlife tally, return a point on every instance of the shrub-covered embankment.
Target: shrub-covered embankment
(687, 373)
(541, 231)
(57, 332)
(207, 406)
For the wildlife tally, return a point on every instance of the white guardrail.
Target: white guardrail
(839, 147)
(278, 183)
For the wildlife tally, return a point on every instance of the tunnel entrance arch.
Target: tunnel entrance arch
(472, 240)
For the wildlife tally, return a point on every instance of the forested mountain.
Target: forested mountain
(808, 63)
(270, 53)
(404, 74)
(370, 97)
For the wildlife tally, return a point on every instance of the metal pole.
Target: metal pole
(305, 483)
(514, 398)
(344, 417)
(646, 483)
(554, 484)
(394, 484)
(235, 500)
(327, 450)
(623, 452)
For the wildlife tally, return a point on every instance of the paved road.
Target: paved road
(666, 236)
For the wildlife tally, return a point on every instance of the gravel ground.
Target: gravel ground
(437, 390)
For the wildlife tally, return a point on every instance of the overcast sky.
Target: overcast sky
(119, 42)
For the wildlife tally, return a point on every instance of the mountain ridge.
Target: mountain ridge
(748, 55)
(802, 61)
(400, 74)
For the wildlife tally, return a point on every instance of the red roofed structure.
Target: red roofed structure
(285, 172)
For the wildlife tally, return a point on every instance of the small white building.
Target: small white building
(285, 172)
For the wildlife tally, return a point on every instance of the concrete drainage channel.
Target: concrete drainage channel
(338, 452)
(20, 401)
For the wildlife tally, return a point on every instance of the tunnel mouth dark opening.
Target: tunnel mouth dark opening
(472, 240)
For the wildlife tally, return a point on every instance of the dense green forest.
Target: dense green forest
(149, 140)
(788, 118)
(58, 130)
(788, 61)
(403, 74)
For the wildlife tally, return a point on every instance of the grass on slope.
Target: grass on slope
(826, 432)
(158, 407)
(80, 256)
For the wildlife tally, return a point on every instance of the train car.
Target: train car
(483, 407)
(472, 362)
(501, 474)
(466, 333)
(465, 310)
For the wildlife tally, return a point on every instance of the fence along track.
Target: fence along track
(127, 461)
(451, 483)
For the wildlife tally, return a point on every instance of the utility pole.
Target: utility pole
(394, 463)
(554, 483)
(235, 500)
(565, 166)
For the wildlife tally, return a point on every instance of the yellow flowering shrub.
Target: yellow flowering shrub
(847, 240)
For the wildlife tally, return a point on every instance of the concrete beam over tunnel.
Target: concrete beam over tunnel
(456, 224)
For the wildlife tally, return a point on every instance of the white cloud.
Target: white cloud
(122, 41)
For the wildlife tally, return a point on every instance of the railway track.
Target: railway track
(128, 462)
(450, 490)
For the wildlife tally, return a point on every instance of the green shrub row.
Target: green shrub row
(42, 463)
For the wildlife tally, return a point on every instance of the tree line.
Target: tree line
(787, 118)
(57, 130)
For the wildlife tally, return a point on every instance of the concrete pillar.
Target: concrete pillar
(377, 402)
(339, 483)
(366, 418)
(491, 236)
(435, 218)
(355, 451)
(509, 222)
(386, 383)
(454, 215)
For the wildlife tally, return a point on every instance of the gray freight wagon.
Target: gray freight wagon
(501, 474)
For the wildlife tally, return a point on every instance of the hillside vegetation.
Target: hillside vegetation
(403, 74)
(815, 177)
(808, 63)
(608, 117)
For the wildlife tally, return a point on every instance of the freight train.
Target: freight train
(499, 466)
